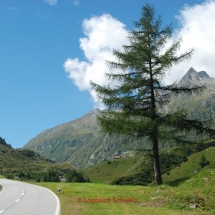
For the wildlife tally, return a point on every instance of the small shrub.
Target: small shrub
(203, 162)
(74, 176)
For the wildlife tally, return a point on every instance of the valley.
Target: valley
(188, 171)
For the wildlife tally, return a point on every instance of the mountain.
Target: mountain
(79, 142)
(14, 162)
(82, 143)
(199, 105)
(192, 77)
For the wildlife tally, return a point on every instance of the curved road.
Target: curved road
(18, 198)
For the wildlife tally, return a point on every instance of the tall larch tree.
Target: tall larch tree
(136, 99)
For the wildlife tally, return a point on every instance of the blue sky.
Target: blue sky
(45, 66)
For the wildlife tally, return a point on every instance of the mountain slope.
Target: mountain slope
(190, 168)
(82, 143)
(14, 161)
(199, 105)
(176, 164)
(79, 142)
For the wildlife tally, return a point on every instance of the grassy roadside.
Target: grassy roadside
(77, 198)
(195, 190)
(188, 189)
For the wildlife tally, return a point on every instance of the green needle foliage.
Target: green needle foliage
(135, 96)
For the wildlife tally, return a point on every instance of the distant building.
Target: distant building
(116, 157)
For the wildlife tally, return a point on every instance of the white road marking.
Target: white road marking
(57, 212)
(2, 189)
(58, 208)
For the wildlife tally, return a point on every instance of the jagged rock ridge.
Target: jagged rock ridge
(192, 77)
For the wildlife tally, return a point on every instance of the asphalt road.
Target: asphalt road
(18, 198)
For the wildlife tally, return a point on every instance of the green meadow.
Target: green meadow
(106, 172)
(92, 198)
(188, 189)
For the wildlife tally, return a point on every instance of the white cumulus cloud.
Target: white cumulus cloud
(103, 34)
(197, 31)
(51, 2)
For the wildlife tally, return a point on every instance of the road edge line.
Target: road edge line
(58, 209)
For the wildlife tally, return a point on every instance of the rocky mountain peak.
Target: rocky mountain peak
(203, 74)
(91, 113)
(192, 77)
(192, 74)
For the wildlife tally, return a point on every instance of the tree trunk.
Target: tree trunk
(157, 171)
